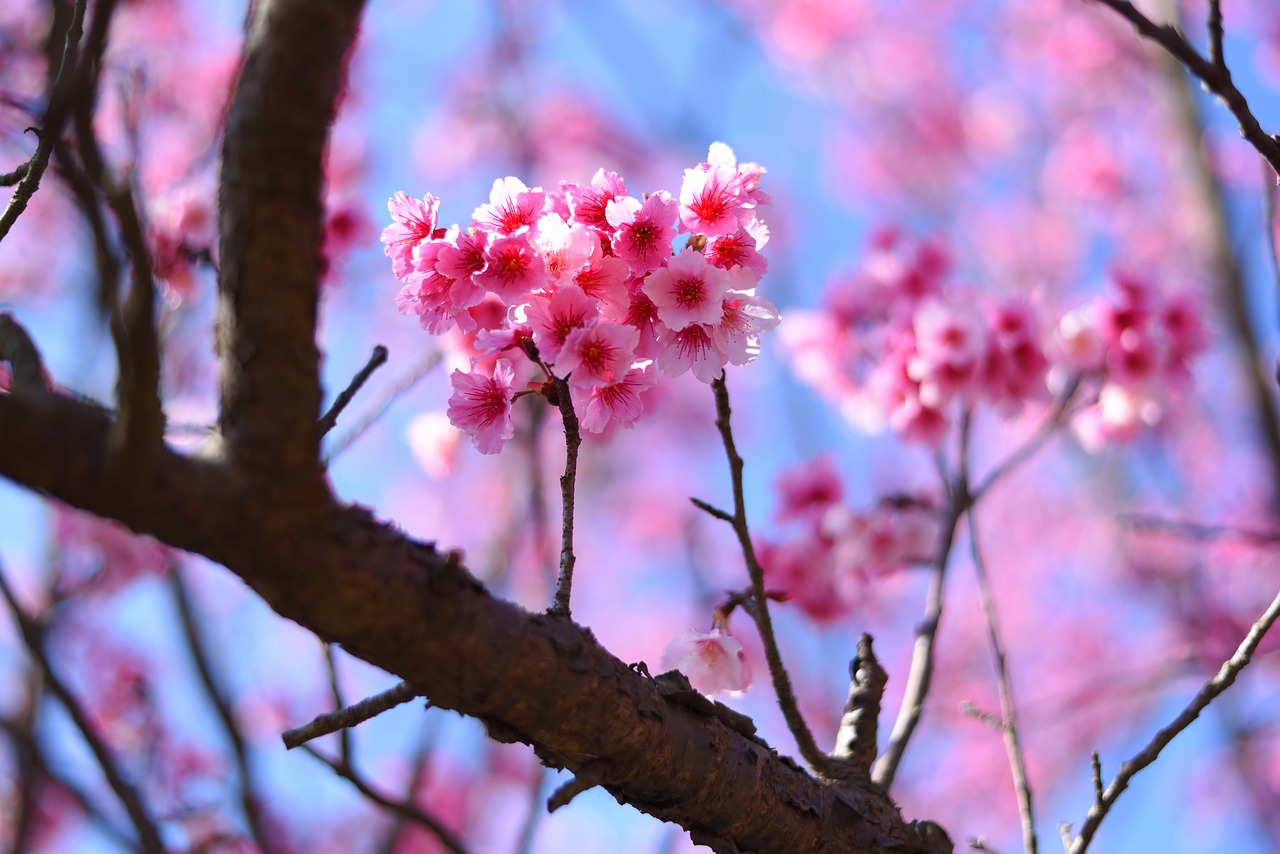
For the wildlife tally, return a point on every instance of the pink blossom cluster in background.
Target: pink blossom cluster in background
(898, 344)
(832, 551)
(585, 279)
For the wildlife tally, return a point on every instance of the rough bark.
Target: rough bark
(257, 502)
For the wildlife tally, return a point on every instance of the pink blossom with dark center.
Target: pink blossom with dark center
(688, 290)
(413, 222)
(598, 355)
(481, 406)
(512, 206)
(645, 231)
(618, 403)
(588, 203)
(515, 269)
(554, 317)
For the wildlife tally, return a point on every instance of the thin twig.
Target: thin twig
(1047, 428)
(51, 128)
(204, 669)
(1216, 80)
(920, 675)
(712, 510)
(25, 743)
(809, 749)
(1193, 530)
(330, 418)
(403, 809)
(1004, 686)
(1095, 765)
(1217, 58)
(408, 381)
(350, 715)
(524, 843)
(339, 702)
(148, 833)
(572, 441)
(1223, 680)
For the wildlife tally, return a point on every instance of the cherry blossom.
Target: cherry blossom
(481, 406)
(688, 290)
(712, 661)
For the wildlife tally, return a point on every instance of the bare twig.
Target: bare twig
(408, 381)
(148, 833)
(572, 441)
(404, 809)
(1095, 764)
(856, 740)
(51, 128)
(524, 843)
(204, 668)
(1008, 711)
(29, 750)
(809, 749)
(350, 716)
(376, 360)
(920, 675)
(1193, 530)
(1216, 79)
(1223, 680)
(1047, 428)
(1216, 56)
(335, 689)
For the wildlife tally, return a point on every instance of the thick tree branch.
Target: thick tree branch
(271, 211)
(413, 611)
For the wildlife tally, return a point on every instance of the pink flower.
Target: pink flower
(692, 348)
(807, 491)
(588, 203)
(950, 344)
(605, 279)
(645, 231)
(554, 318)
(688, 290)
(598, 355)
(618, 403)
(714, 662)
(710, 201)
(413, 222)
(565, 248)
(514, 269)
(742, 248)
(746, 315)
(463, 255)
(512, 206)
(643, 315)
(481, 406)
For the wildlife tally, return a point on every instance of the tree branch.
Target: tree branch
(271, 214)
(809, 749)
(1223, 680)
(1215, 79)
(414, 611)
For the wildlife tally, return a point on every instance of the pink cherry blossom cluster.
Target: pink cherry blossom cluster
(1140, 343)
(896, 344)
(833, 551)
(587, 282)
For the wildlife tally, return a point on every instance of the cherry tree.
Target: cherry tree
(1051, 559)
